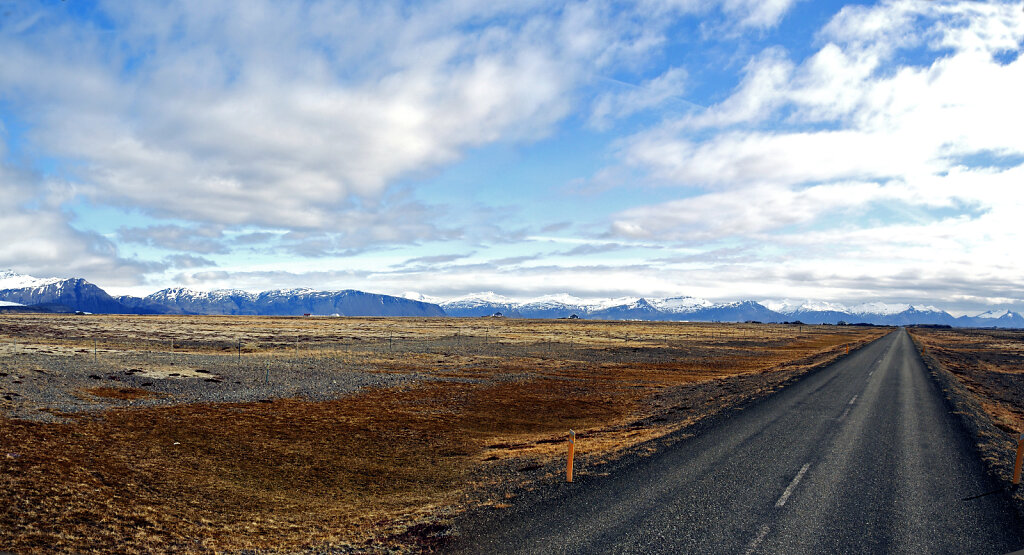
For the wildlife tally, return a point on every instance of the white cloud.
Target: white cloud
(887, 163)
(39, 240)
(879, 121)
(757, 97)
(277, 115)
(760, 14)
(649, 94)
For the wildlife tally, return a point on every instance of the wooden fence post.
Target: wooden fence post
(572, 451)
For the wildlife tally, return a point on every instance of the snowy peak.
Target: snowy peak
(175, 294)
(788, 306)
(9, 279)
(995, 314)
(421, 298)
(71, 293)
(680, 305)
(478, 300)
(79, 294)
(878, 308)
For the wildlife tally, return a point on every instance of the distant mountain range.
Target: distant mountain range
(700, 310)
(80, 295)
(22, 293)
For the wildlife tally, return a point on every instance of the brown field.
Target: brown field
(140, 434)
(989, 363)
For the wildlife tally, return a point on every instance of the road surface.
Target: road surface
(862, 456)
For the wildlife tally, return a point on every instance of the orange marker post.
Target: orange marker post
(1020, 459)
(572, 451)
(847, 349)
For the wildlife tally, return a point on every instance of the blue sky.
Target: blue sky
(731, 149)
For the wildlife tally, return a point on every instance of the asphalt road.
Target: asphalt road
(863, 456)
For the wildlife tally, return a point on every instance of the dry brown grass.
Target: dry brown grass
(990, 363)
(122, 393)
(359, 470)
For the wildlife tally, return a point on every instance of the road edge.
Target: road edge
(993, 446)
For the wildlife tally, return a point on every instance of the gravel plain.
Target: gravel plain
(36, 386)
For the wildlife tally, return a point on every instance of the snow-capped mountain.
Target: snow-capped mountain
(481, 304)
(75, 293)
(789, 306)
(993, 318)
(621, 308)
(878, 309)
(680, 305)
(994, 314)
(63, 295)
(78, 294)
(638, 309)
(9, 279)
(891, 314)
(288, 302)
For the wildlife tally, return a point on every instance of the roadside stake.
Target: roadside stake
(1020, 459)
(572, 451)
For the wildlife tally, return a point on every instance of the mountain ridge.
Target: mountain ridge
(80, 295)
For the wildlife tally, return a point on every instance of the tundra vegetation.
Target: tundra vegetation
(202, 433)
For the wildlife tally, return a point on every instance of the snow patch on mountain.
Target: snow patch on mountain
(558, 299)
(9, 303)
(478, 299)
(420, 297)
(994, 314)
(9, 279)
(879, 308)
(680, 305)
(790, 306)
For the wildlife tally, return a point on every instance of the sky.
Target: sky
(728, 150)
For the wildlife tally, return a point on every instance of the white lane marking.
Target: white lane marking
(845, 412)
(792, 486)
(853, 400)
(757, 541)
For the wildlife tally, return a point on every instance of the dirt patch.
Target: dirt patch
(123, 393)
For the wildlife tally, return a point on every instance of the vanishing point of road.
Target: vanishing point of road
(863, 456)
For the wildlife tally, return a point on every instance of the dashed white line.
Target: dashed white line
(792, 486)
(757, 541)
(845, 412)
(853, 400)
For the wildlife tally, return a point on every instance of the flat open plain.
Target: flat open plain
(865, 455)
(140, 434)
